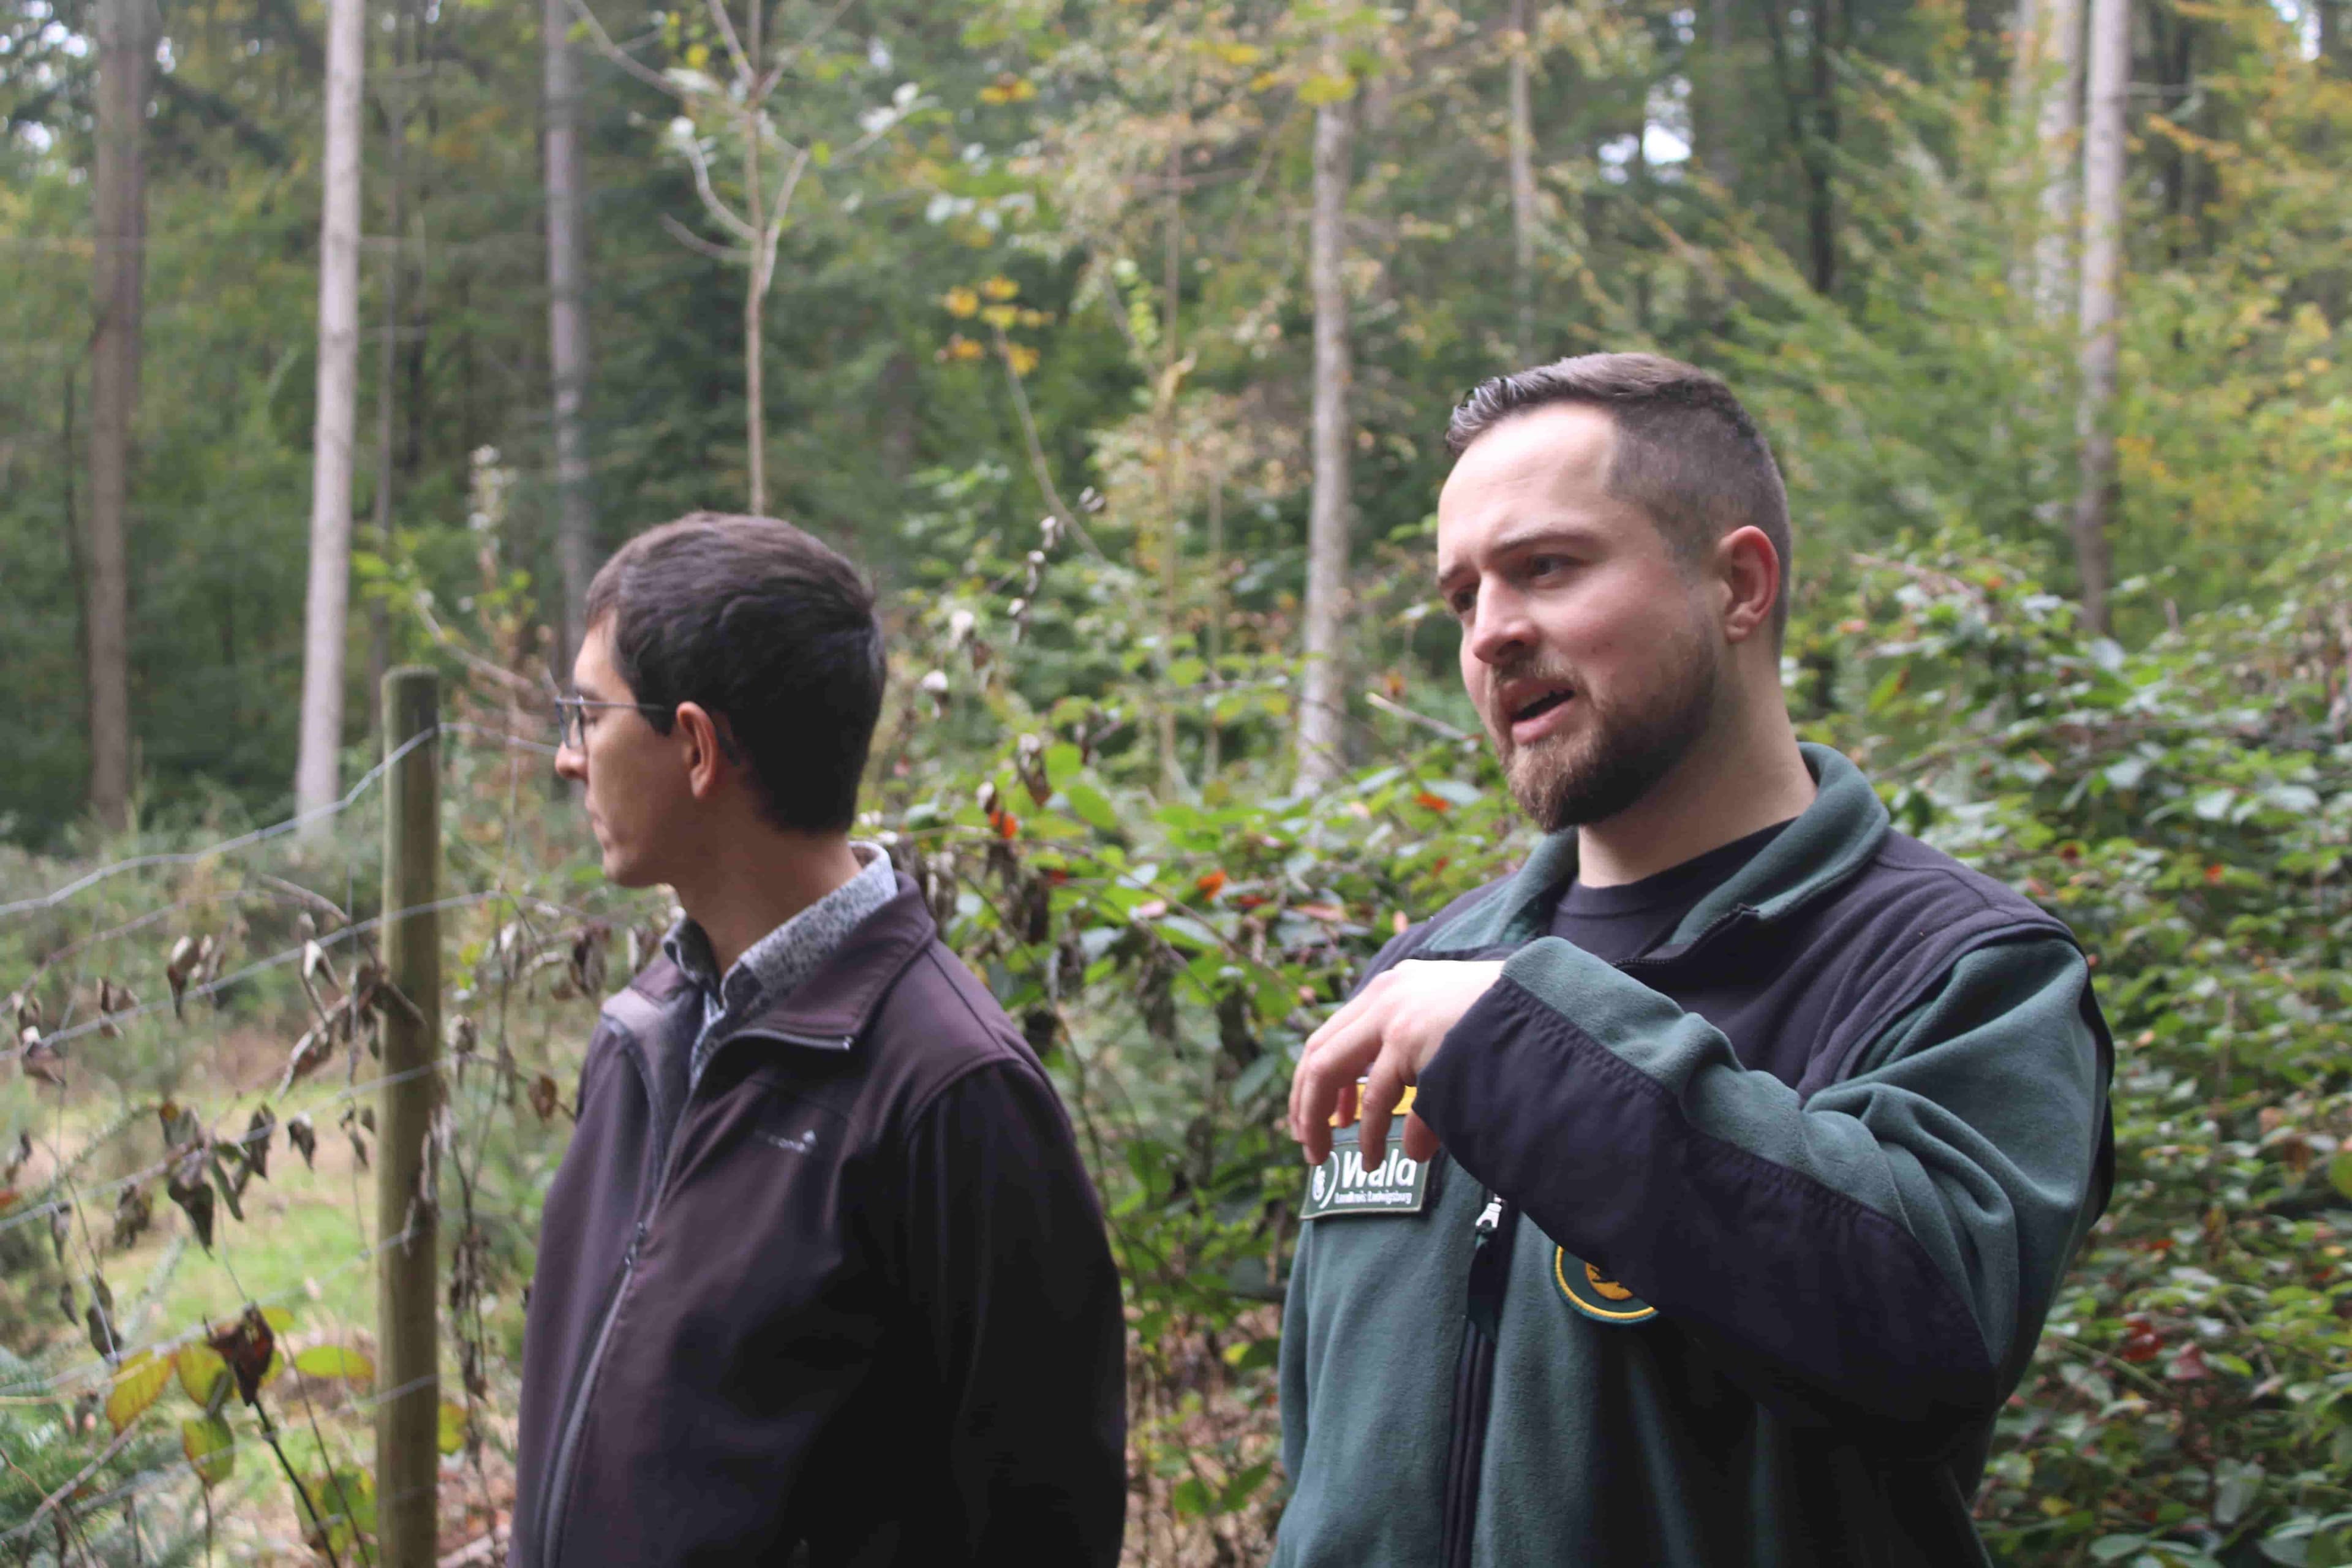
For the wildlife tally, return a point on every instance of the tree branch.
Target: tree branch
(710, 194)
(696, 243)
(717, 9)
(619, 57)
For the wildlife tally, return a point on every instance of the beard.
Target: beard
(1565, 780)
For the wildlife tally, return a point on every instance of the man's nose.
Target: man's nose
(569, 763)
(1500, 631)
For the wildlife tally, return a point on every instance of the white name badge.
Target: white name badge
(1342, 1184)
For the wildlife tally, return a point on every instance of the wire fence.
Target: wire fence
(173, 1114)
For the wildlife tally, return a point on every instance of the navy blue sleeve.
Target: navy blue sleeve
(1885, 1248)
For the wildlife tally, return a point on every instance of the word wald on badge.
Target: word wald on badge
(1341, 1185)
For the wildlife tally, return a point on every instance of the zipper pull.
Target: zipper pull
(1490, 1268)
(637, 1238)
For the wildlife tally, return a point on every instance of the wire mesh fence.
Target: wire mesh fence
(192, 1143)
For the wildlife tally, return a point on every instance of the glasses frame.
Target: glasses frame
(571, 718)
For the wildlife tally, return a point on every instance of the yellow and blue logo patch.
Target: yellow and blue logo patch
(1596, 1295)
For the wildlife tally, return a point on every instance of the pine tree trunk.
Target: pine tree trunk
(2051, 58)
(1523, 190)
(327, 607)
(1717, 112)
(2103, 218)
(567, 322)
(124, 51)
(1322, 711)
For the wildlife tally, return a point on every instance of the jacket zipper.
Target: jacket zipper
(1474, 1374)
(575, 1419)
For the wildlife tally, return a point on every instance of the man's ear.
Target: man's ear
(696, 732)
(1748, 569)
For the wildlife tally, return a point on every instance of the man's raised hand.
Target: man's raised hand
(1385, 1037)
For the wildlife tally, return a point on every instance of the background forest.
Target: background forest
(1116, 337)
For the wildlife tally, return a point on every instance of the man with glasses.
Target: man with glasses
(821, 1277)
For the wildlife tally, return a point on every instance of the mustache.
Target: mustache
(1534, 668)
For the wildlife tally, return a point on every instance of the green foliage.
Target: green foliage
(2188, 809)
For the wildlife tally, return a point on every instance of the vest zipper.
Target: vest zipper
(1474, 1374)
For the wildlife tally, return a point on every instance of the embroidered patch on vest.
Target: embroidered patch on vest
(1596, 1295)
(1342, 1185)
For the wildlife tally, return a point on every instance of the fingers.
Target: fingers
(1420, 1138)
(1384, 1087)
(1328, 1069)
(1338, 1023)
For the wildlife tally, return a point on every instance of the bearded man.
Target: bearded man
(1746, 1139)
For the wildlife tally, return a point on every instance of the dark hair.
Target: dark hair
(771, 630)
(1687, 453)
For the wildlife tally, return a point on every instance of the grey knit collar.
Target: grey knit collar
(773, 966)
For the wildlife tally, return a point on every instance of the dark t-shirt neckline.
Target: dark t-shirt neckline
(1623, 922)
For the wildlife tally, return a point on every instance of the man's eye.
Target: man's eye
(1544, 565)
(1462, 603)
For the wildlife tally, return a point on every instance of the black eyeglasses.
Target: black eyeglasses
(570, 728)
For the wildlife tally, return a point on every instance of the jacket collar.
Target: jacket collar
(829, 1010)
(1823, 849)
(833, 1007)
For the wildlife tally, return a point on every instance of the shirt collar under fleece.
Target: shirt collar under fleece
(1834, 838)
(773, 966)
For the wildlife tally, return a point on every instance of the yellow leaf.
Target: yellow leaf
(1000, 316)
(698, 55)
(453, 1427)
(994, 95)
(210, 1446)
(1022, 357)
(960, 301)
(139, 1384)
(203, 1375)
(334, 1361)
(1240, 54)
(1327, 88)
(1000, 287)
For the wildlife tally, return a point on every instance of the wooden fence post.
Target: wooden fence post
(408, 1350)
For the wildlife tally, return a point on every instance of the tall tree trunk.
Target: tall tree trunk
(567, 320)
(755, 288)
(1822, 208)
(124, 50)
(327, 607)
(1523, 190)
(388, 370)
(2051, 58)
(1322, 708)
(1719, 115)
(2102, 219)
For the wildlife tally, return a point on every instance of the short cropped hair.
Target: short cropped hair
(1687, 453)
(771, 630)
